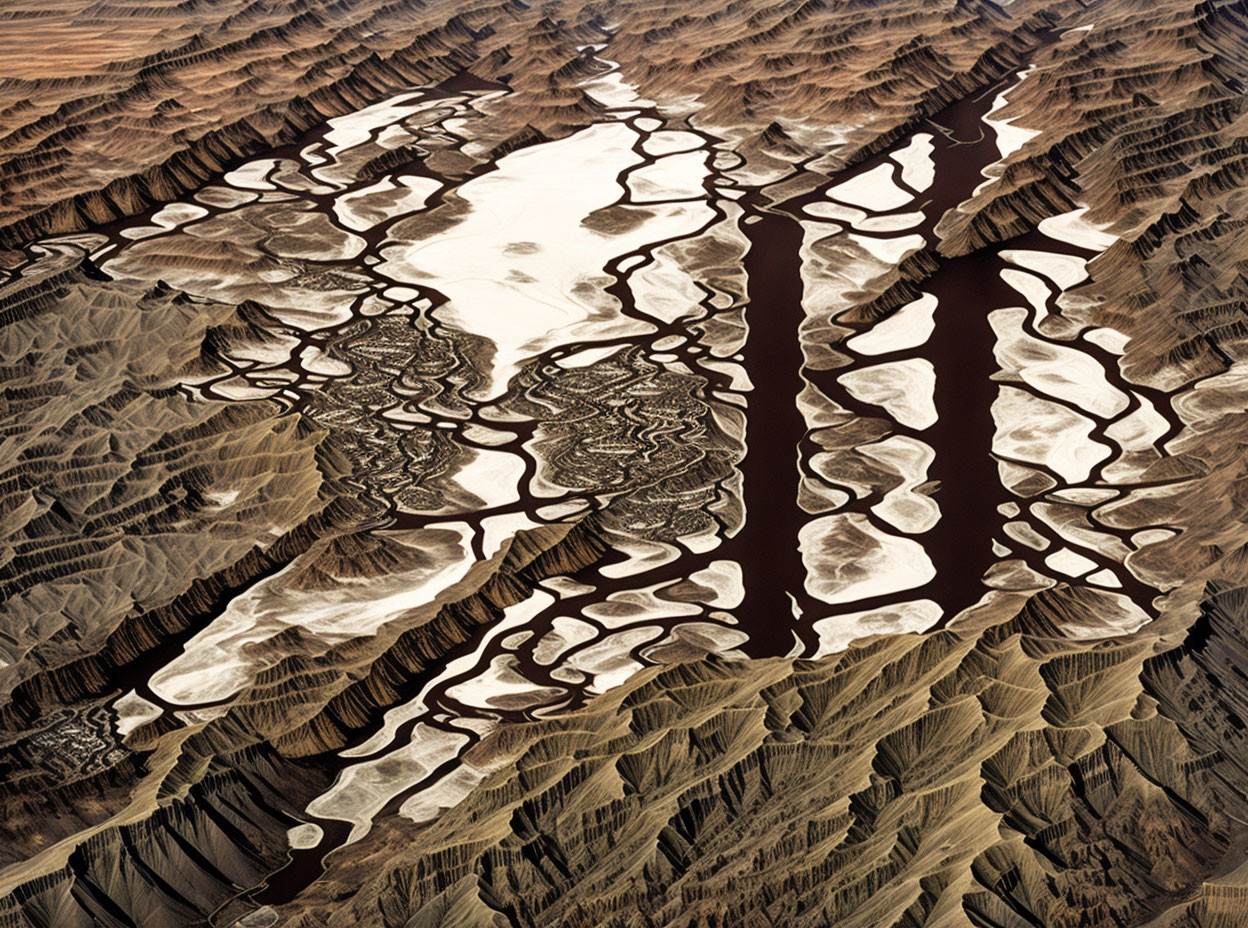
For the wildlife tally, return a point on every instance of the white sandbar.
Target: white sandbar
(908, 327)
(873, 190)
(905, 389)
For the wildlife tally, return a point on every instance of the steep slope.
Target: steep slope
(997, 773)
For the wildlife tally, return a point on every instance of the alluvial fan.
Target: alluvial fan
(624, 464)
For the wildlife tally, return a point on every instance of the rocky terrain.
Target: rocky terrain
(623, 463)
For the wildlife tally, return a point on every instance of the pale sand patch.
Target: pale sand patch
(889, 250)
(669, 141)
(238, 390)
(847, 559)
(674, 177)
(394, 136)
(739, 377)
(1083, 496)
(905, 389)
(447, 793)
(1010, 138)
(1105, 577)
(902, 508)
(1015, 575)
(1151, 536)
(487, 436)
(135, 233)
(837, 632)
(251, 176)
(224, 197)
(726, 581)
(918, 170)
(502, 685)
(609, 663)
(1116, 614)
(1058, 371)
(665, 289)
(831, 468)
(897, 222)
(587, 356)
(1024, 534)
(362, 790)
(304, 836)
(818, 410)
(311, 155)
(642, 555)
(132, 711)
(627, 607)
(831, 275)
(613, 92)
(492, 476)
(1029, 428)
(565, 633)
(838, 211)
(1211, 398)
(290, 179)
(565, 587)
(175, 214)
(562, 509)
(1069, 562)
(1064, 270)
(815, 498)
(497, 530)
(707, 636)
(1111, 513)
(1111, 340)
(313, 360)
(909, 327)
(630, 263)
(873, 190)
(1139, 430)
(555, 293)
(401, 294)
(362, 209)
(220, 500)
(355, 128)
(1074, 229)
(1035, 290)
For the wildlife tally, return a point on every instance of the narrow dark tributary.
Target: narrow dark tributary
(961, 348)
(766, 547)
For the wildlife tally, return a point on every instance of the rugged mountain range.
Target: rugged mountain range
(623, 463)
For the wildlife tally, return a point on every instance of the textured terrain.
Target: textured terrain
(633, 463)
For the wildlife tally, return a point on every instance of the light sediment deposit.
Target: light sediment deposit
(629, 463)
